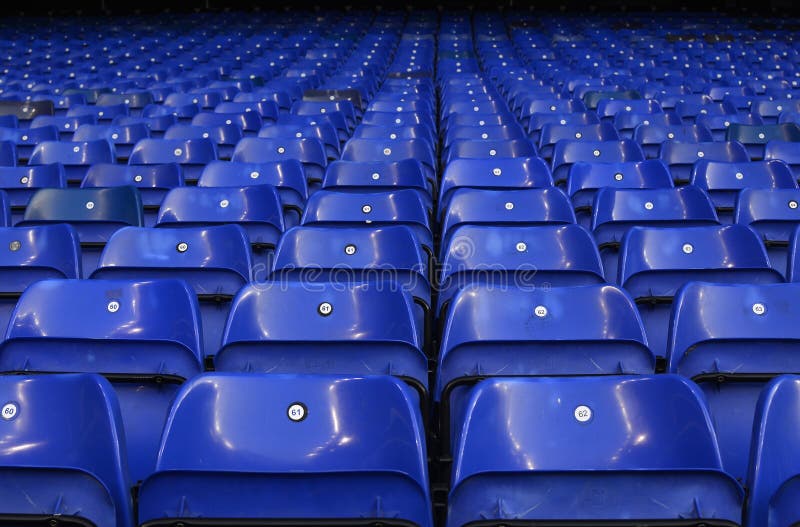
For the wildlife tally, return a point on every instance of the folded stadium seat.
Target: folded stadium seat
(630, 451)
(143, 336)
(608, 109)
(770, 110)
(650, 137)
(509, 207)
(24, 141)
(257, 208)
(719, 124)
(389, 257)
(681, 157)
(773, 468)
(267, 101)
(135, 100)
(551, 133)
(526, 257)
(214, 261)
(755, 137)
(392, 150)
(248, 122)
(773, 214)
(122, 137)
(225, 137)
(415, 131)
(95, 213)
(377, 475)
(153, 182)
(487, 149)
(20, 183)
(333, 328)
(552, 106)
(655, 262)
(191, 154)
(496, 174)
(522, 331)
(322, 131)
(76, 158)
(156, 125)
(415, 119)
(27, 111)
(77, 476)
(626, 122)
(378, 176)
(340, 113)
(690, 109)
(497, 132)
(349, 209)
(615, 211)
(310, 152)
(31, 254)
(569, 151)
(786, 151)
(184, 113)
(585, 179)
(288, 178)
(103, 114)
(731, 340)
(539, 120)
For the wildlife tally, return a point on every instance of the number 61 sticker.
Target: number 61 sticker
(297, 412)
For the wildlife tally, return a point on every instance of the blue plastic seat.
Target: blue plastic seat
(183, 112)
(20, 183)
(144, 336)
(345, 329)
(492, 174)
(322, 131)
(786, 151)
(35, 253)
(76, 158)
(629, 451)
(498, 132)
(26, 111)
(310, 152)
(49, 477)
(770, 110)
(398, 207)
(719, 124)
(256, 208)
(66, 125)
(153, 182)
(655, 262)
(585, 179)
(267, 111)
(25, 140)
(488, 149)
(230, 113)
(104, 113)
(651, 136)
(156, 125)
(390, 257)
(553, 106)
(224, 136)
(287, 176)
(608, 109)
(388, 150)
(773, 214)
(531, 331)
(731, 340)
(95, 213)
(570, 151)
(773, 468)
(191, 154)
(214, 261)
(378, 176)
(540, 256)
(377, 474)
(723, 181)
(681, 157)
(122, 137)
(755, 137)
(539, 120)
(627, 122)
(615, 211)
(551, 133)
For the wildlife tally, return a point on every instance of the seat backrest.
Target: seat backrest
(276, 420)
(286, 175)
(37, 253)
(500, 436)
(213, 260)
(161, 177)
(82, 153)
(655, 261)
(399, 206)
(585, 179)
(20, 183)
(567, 152)
(681, 157)
(774, 465)
(365, 175)
(60, 473)
(182, 151)
(773, 213)
(105, 326)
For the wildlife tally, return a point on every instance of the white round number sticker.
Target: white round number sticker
(297, 412)
(583, 413)
(9, 411)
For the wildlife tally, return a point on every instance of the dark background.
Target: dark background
(750, 8)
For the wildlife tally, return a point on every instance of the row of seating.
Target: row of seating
(281, 446)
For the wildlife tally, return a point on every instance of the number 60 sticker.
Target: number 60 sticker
(9, 411)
